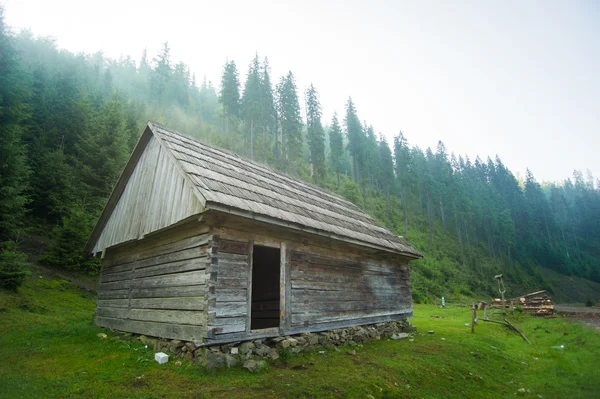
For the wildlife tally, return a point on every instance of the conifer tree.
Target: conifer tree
(290, 122)
(268, 113)
(251, 105)
(387, 171)
(402, 163)
(229, 95)
(355, 136)
(316, 134)
(336, 144)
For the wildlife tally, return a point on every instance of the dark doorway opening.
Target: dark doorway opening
(265, 287)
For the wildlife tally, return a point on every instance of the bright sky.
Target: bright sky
(520, 79)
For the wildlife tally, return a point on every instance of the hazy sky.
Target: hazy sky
(520, 79)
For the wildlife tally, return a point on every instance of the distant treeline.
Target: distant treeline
(68, 123)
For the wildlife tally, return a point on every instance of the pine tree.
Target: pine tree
(316, 134)
(387, 171)
(402, 162)
(229, 96)
(103, 152)
(161, 74)
(268, 113)
(356, 140)
(251, 105)
(290, 122)
(336, 144)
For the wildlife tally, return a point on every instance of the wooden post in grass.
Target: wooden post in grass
(473, 317)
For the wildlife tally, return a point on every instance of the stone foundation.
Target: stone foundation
(252, 354)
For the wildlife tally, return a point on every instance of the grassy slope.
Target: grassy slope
(49, 348)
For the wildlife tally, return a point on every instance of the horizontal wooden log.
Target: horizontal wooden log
(329, 307)
(232, 258)
(182, 303)
(231, 294)
(112, 294)
(173, 267)
(342, 267)
(224, 325)
(153, 248)
(229, 246)
(332, 325)
(153, 329)
(170, 280)
(231, 282)
(169, 292)
(161, 316)
(119, 276)
(362, 286)
(318, 317)
(229, 272)
(231, 309)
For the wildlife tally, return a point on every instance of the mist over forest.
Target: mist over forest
(68, 123)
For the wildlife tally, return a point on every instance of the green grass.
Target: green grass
(49, 348)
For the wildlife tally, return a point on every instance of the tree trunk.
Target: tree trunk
(443, 214)
(429, 217)
(404, 210)
(252, 139)
(462, 252)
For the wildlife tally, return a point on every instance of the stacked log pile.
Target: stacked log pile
(538, 302)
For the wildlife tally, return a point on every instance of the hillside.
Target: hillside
(69, 122)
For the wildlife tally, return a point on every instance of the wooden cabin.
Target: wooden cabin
(200, 244)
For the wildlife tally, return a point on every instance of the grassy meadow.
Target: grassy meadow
(49, 348)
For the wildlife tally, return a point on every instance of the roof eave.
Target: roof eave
(214, 206)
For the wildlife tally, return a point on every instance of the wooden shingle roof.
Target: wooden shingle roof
(226, 179)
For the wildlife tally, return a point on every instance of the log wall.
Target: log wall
(157, 286)
(228, 287)
(327, 291)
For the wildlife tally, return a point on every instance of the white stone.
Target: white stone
(161, 357)
(234, 351)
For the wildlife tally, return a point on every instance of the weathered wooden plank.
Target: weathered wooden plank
(157, 246)
(360, 285)
(114, 285)
(233, 258)
(231, 294)
(169, 292)
(110, 277)
(224, 325)
(249, 278)
(113, 294)
(178, 303)
(230, 272)
(342, 279)
(231, 309)
(155, 315)
(285, 300)
(298, 328)
(306, 270)
(153, 329)
(170, 280)
(318, 317)
(231, 282)
(302, 295)
(113, 303)
(229, 246)
(172, 267)
(325, 308)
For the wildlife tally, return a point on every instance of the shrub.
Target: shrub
(13, 266)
